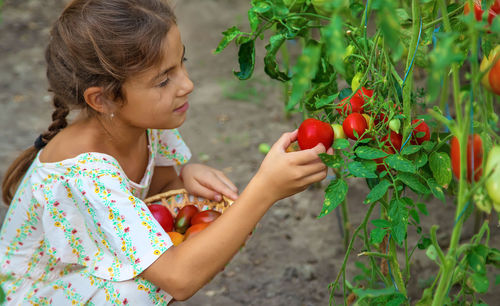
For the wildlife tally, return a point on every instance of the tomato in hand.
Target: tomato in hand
(312, 132)
(205, 216)
(195, 229)
(163, 216)
(354, 122)
(421, 127)
(352, 105)
(183, 218)
(474, 143)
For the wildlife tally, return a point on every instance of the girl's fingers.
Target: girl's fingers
(208, 193)
(286, 139)
(307, 156)
(226, 181)
(219, 187)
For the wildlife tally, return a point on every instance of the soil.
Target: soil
(292, 256)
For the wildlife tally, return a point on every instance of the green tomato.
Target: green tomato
(293, 5)
(355, 83)
(338, 131)
(395, 125)
(322, 7)
(348, 51)
(493, 181)
(264, 148)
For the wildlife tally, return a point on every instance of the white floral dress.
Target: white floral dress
(77, 231)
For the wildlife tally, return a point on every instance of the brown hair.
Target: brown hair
(95, 43)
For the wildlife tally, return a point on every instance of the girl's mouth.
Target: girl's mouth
(182, 108)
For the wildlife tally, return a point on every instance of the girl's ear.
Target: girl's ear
(96, 100)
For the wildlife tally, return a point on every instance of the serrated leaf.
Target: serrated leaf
(398, 214)
(381, 223)
(325, 100)
(271, 67)
(246, 58)
(435, 189)
(359, 169)
(340, 144)
(334, 195)
(229, 35)
(332, 161)
(377, 235)
(440, 164)
(366, 152)
(377, 192)
(413, 181)
(410, 149)
(400, 163)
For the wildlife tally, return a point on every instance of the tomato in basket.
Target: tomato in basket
(183, 218)
(176, 238)
(163, 216)
(195, 229)
(205, 216)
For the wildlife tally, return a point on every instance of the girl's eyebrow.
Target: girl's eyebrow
(164, 72)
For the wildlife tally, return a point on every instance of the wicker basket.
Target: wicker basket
(174, 200)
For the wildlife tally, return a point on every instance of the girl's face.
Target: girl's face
(158, 97)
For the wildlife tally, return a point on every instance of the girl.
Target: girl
(77, 230)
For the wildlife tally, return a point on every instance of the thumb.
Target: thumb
(286, 139)
(319, 148)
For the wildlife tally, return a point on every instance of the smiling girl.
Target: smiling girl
(77, 230)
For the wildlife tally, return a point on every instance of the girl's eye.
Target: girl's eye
(184, 59)
(164, 83)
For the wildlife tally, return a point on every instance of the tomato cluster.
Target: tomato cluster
(478, 10)
(188, 222)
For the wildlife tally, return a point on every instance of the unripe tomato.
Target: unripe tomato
(338, 131)
(352, 105)
(369, 121)
(163, 216)
(176, 237)
(205, 216)
(354, 122)
(395, 125)
(312, 132)
(195, 229)
(422, 127)
(493, 181)
(322, 7)
(474, 143)
(356, 80)
(183, 218)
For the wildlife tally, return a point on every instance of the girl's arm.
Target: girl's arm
(183, 270)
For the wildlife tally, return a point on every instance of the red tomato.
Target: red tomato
(364, 93)
(494, 78)
(474, 143)
(381, 165)
(183, 218)
(354, 122)
(313, 131)
(380, 117)
(163, 216)
(195, 229)
(354, 105)
(478, 10)
(395, 141)
(422, 127)
(205, 216)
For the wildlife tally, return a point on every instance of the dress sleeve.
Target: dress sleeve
(93, 220)
(171, 150)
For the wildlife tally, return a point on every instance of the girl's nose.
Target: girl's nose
(187, 85)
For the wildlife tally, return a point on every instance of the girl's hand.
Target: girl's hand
(284, 174)
(208, 182)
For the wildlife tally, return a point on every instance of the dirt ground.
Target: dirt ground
(292, 256)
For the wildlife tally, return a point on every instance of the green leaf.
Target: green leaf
(374, 293)
(303, 72)
(229, 35)
(480, 283)
(271, 66)
(421, 160)
(398, 214)
(246, 58)
(359, 169)
(476, 262)
(332, 161)
(400, 163)
(367, 152)
(436, 190)
(428, 145)
(377, 192)
(432, 253)
(413, 181)
(334, 195)
(410, 149)
(422, 208)
(387, 20)
(325, 100)
(440, 164)
(377, 235)
(340, 144)
(381, 223)
(253, 19)
(333, 37)
(497, 279)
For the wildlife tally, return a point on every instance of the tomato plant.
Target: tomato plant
(312, 132)
(163, 216)
(364, 54)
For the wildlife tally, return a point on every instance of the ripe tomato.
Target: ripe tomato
(338, 131)
(176, 238)
(494, 76)
(493, 181)
(474, 143)
(352, 105)
(422, 127)
(205, 216)
(394, 142)
(478, 10)
(195, 229)
(183, 218)
(163, 216)
(364, 93)
(354, 122)
(313, 131)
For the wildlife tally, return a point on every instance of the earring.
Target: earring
(112, 115)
